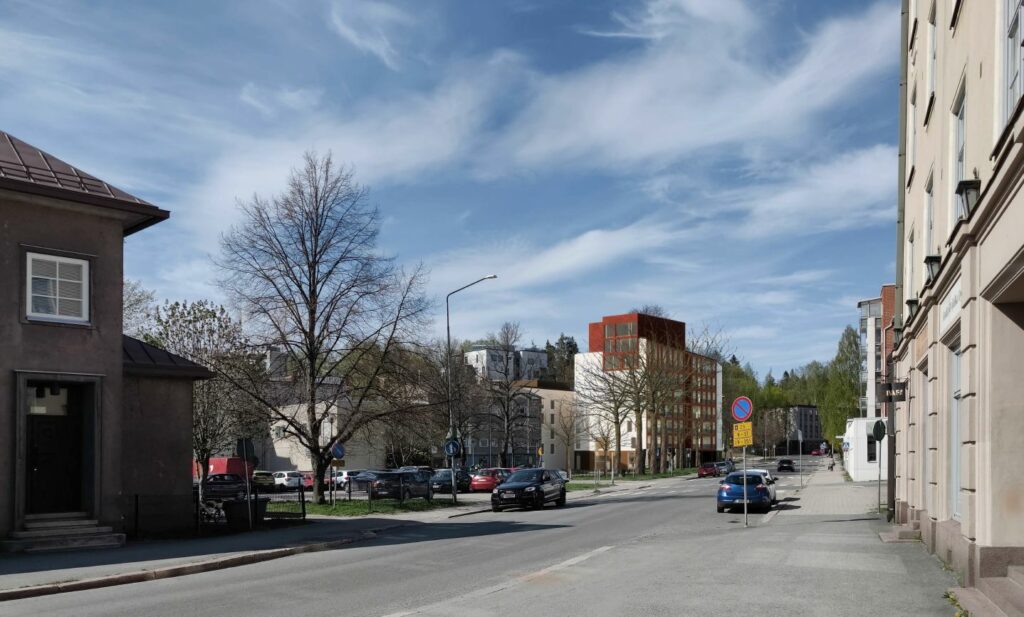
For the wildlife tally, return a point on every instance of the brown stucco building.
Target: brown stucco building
(93, 420)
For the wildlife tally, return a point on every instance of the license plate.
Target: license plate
(508, 495)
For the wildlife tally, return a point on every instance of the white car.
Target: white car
(770, 479)
(287, 480)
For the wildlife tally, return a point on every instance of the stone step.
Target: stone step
(1016, 573)
(63, 543)
(52, 515)
(68, 522)
(975, 603)
(60, 531)
(1004, 593)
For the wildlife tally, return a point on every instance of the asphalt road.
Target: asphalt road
(656, 551)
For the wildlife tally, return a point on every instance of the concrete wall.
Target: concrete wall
(856, 458)
(157, 455)
(57, 348)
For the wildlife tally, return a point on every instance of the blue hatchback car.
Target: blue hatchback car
(730, 491)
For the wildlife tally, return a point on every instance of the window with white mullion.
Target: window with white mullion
(959, 155)
(57, 288)
(932, 51)
(1013, 56)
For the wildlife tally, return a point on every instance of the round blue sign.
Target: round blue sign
(338, 450)
(742, 409)
(451, 447)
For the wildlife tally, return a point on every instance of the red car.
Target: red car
(488, 479)
(707, 469)
(815, 452)
(307, 479)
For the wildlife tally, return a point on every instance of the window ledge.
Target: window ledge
(47, 321)
(913, 36)
(910, 177)
(928, 108)
(1007, 135)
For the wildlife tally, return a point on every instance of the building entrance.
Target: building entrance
(54, 466)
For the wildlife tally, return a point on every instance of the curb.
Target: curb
(219, 563)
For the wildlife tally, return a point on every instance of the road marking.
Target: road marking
(479, 593)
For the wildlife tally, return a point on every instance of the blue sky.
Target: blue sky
(732, 161)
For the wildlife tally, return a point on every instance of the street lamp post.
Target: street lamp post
(451, 413)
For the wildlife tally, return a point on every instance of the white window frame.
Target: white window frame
(932, 51)
(912, 133)
(959, 152)
(929, 216)
(911, 259)
(1012, 56)
(85, 283)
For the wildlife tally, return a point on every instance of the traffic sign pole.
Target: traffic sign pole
(745, 524)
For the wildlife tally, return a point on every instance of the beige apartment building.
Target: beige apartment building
(960, 300)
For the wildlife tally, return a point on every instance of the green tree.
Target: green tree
(562, 359)
(205, 333)
(842, 389)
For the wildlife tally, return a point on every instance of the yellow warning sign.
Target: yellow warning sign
(742, 435)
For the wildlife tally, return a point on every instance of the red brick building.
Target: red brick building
(684, 429)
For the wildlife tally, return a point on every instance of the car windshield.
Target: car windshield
(737, 478)
(708, 465)
(785, 461)
(487, 473)
(526, 475)
(442, 474)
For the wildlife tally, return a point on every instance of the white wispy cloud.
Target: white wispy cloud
(270, 102)
(370, 26)
(702, 87)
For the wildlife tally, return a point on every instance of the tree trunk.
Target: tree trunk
(640, 465)
(618, 450)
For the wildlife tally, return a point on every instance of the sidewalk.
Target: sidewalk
(27, 575)
(829, 493)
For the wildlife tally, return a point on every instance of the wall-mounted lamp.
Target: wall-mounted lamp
(967, 192)
(932, 263)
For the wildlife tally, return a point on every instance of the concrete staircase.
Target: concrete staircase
(995, 597)
(61, 532)
(902, 533)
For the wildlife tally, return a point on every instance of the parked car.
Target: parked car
(441, 481)
(815, 452)
(224, 486)
(562, 474)
(769, 481)
(707, 469)
(287, 480)
(397, 484)
(427, 468)
(264, 480)
(785, 464)
(730, 491)
(487, 479)
(529, 488)
(725, 467)
(307, 479)
(342, 478)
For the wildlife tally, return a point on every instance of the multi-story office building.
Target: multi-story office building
(960, 284)
(686, 429)
(804, 418)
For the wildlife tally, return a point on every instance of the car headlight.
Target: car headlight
(495, 491)
(530, 489)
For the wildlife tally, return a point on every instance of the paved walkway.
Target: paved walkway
(829, 493)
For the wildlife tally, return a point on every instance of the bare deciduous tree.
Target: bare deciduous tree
(137, 308)
(505, 390)
(304, 268)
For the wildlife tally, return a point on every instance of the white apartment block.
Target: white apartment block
(960, 277)
(871, 360)
(497, 364)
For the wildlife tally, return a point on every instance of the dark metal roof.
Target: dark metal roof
(145, 359)
(25, 168)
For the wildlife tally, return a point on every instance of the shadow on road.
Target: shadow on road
(196, 549)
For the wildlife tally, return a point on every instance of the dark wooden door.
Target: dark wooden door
(55, 462)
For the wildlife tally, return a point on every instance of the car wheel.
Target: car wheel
(561, 499)
(495, 509)
(720, 509)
